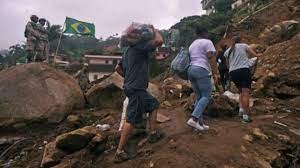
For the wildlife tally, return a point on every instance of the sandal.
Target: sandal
(121, 157)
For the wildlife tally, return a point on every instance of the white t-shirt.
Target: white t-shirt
(238, 59)
(198, 52)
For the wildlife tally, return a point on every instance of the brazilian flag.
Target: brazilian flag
(74, 26)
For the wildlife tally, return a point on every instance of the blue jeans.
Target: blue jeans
(201, 83)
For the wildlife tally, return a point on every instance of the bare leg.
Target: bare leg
(152, 121)
(127, 128)
(244, 100)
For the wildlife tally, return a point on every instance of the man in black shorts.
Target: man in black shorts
(135, 65)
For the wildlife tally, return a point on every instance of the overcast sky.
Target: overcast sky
(109, 16)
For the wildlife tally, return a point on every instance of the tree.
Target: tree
(54, 32)
(223, 5)
(16, 54)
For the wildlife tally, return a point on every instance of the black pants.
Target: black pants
(224, 74)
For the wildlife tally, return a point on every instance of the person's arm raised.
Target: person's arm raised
(214, 66)
(252, 53)
(158, 39)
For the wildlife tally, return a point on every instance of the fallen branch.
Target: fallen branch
(255, 13)
(281, 124)
(9, 148)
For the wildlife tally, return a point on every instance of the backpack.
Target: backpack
(181, 63)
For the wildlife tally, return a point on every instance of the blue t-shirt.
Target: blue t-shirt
(136, 67)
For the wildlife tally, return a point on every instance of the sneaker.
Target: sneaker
(121, 157)
(246, 119)
(241, 112)
(155, 137)
(195, 124)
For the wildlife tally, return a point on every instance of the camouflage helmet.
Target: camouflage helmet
(33, 17)
(42, 20)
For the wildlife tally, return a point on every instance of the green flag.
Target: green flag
(74, 26)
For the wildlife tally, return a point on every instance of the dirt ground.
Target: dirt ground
(224, 145)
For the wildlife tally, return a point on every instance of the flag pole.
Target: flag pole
(59, 41)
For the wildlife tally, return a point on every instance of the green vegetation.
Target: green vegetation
(216, 24)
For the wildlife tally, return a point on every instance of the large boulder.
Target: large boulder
(37, 92)
(108, 92)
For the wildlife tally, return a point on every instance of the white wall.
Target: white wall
(99, 75)
(238, 3)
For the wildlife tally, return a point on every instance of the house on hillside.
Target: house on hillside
(101, 65)
(209, 6)
(238, 3)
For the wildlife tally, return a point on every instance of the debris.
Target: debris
(75, 140)
(98, 144)
(263, 163)
(265, 117)
(280, 124)
(167, 103)
(104, 127)
(236, 97)
(248, 138)
(284, 138)
(221, 106)
(142, 142)
(283, 116)
(162, 118)
(243, 148)
(10, 147)
(151, 164)
(52, 155)
(232, 96)
(9, 140)
(257, 132)
(73, 118)
(295, 131)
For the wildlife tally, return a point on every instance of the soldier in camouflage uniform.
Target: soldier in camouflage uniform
(42, 45)
(32, 36)
(83, 78)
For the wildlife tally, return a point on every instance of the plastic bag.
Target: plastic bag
(136, 33)
(181, 63)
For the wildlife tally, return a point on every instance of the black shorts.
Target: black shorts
(140, 102)
(241, 78)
